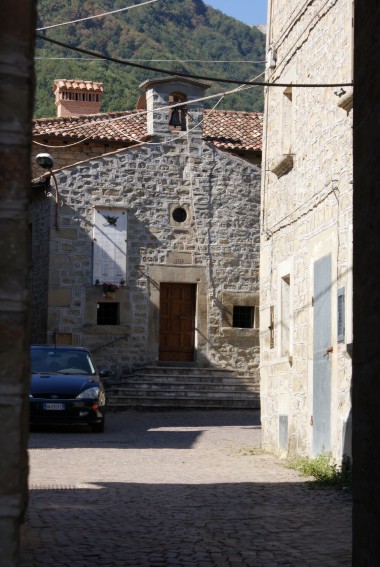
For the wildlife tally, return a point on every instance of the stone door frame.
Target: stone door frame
(179, 274)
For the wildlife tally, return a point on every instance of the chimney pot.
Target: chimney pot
(73, 98)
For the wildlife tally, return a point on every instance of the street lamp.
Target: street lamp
(46, 161)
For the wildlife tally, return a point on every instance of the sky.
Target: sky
(250, 12)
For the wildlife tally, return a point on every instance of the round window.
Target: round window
(179, 214)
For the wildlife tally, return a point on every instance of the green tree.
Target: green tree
(180, 30)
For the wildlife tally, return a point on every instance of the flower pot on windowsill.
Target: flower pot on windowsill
(109, 289)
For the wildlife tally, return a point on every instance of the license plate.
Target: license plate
(54, 406)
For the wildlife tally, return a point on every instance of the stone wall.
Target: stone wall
(307, 214)
(39, 223)
(65, 154)
(218, 249)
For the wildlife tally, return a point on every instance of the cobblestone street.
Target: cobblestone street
(170, 489)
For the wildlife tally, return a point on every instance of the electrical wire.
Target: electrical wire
(295, 16)
(65, 145)
(133, 114)
(187, 75)
(138, 141)
(97, 16)
(278, 64)
(154, 60)
(269, 232)
(86, 59)
(309, 24)
(144, 112)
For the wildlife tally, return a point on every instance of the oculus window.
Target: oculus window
(179, 214)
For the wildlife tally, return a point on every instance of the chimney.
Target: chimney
(77, 97)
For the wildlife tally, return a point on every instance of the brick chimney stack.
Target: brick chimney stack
(77, 97)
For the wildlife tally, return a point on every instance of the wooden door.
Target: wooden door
(177, 322)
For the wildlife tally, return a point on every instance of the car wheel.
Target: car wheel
(98, 427)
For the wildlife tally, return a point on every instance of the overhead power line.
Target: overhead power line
(134, 138)
(97, 16)
(186, 75)
(143, 112)
(154, 60)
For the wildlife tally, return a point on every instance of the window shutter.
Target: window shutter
(341, 315)
(110, 245)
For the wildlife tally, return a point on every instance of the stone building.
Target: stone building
(163, 201)
(306, 235)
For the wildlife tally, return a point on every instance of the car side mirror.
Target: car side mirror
(106, 373)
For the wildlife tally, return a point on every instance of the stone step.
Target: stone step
(181, 386)
(126, 392)
(194, 380)
(184, 371)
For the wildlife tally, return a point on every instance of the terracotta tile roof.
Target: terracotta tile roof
(126, 127)
(77, 85)
(233, 130)
(225, 129)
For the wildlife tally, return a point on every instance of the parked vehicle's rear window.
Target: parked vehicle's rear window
(61, 360)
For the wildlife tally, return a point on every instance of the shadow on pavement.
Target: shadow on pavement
(146, 525)
(142, 430)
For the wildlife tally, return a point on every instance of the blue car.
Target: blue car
(66, 387)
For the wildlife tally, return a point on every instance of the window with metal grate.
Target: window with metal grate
(108, 314)
(243, 316)
(341, 315)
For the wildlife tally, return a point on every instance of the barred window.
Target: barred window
(341, 315)
(108, 314)
(243, 316)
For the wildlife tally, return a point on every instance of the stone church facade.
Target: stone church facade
(306, 242)
(169, 214)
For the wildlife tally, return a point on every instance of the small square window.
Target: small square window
(243, 316)
(108, 314)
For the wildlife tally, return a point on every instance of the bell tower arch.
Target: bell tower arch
(180, 93)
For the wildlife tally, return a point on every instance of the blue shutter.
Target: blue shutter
(321, 362)
(283, 432)
(341, 315)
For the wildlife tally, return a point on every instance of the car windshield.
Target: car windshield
(62, 361)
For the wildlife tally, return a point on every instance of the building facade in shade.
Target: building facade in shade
(16, 104)
(164, 203)
(306, 231)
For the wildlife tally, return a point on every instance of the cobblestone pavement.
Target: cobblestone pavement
(175, 489)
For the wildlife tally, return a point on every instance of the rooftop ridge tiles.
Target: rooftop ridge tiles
(77, 84)
(224, 129)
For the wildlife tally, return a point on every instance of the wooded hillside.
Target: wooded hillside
(180, 30)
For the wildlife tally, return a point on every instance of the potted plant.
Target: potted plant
(109, 289)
